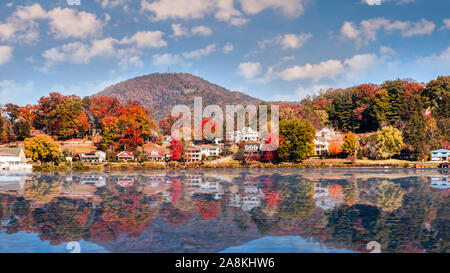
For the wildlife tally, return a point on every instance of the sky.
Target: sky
(269, 49)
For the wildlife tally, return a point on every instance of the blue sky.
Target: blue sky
(270, 49)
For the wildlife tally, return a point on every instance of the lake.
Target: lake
(232, 210)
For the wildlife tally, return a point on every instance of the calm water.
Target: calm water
(282, 210)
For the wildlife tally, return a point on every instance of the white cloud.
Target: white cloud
(286, 41)
(113, 3)
(165, 60)
(177, 9)
(201, 30)
(228, 47)
(447, 23)
(293, 41)
(379, 2)
(23, 24)
(385, 50)
(367, 30)
(196, 54)
(70, 23)
(228, 13)
(223, 10)
(293, 8)
(325, 69)
(178, 30)
(146, 39)
(249, 70)
(301, 92)
(6, 54)
(80, 53)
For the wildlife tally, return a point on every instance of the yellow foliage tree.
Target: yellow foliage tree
(42, 148)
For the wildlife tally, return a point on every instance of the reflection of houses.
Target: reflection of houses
(440, 182)
(126, 181)
(98, 156)
(13, 159)
(12, 182)
(322, 140)
(95, 180)
(193, 154)
(440, 155)
(324, 199)
(125, 156)
(250, 202)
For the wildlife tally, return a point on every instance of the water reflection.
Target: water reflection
(227, 210)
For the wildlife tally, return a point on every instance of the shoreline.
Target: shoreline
(80, 166)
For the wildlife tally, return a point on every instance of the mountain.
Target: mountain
(161, 92)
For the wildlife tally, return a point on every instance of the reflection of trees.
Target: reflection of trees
(62, 221)
(389, 196)
(351, 193)
(42, 191)
(209, 209)
(389, 233)
(126, 209)
(298, 199)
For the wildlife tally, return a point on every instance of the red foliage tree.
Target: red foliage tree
(131, 138)
(176, 150)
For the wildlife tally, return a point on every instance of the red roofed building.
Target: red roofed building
(125, 156)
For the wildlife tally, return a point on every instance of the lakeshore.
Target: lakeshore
(234, 164)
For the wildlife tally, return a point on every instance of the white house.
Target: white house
(209, 150)
(322, 140)
(440, 155)
(245, 134)
(13, 159)
(98, 156)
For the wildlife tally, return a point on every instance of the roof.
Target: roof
(125, 154)
(10, 151)
(441, 151)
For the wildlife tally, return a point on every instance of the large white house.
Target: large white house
(322, 140)
(245, 134)
(440, 155)
(209, 150)
(13, 159)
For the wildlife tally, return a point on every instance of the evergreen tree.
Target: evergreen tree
(381, 107)
(396, 99)
(416, 128)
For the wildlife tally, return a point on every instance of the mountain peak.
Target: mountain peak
(162, 91)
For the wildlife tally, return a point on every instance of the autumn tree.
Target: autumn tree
(63, 116)
(335, 147)
(42, 148)
(131, 138)
(351, 144)
(298, 140)
(176, 150)
(389, 141)
(389, 196)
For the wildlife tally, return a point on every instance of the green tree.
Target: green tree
(351, 144)
(396, 99)
(389, 141)
(297, 140)
(381, 106)
(416, 128)
(298, 199)
(42, 148)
